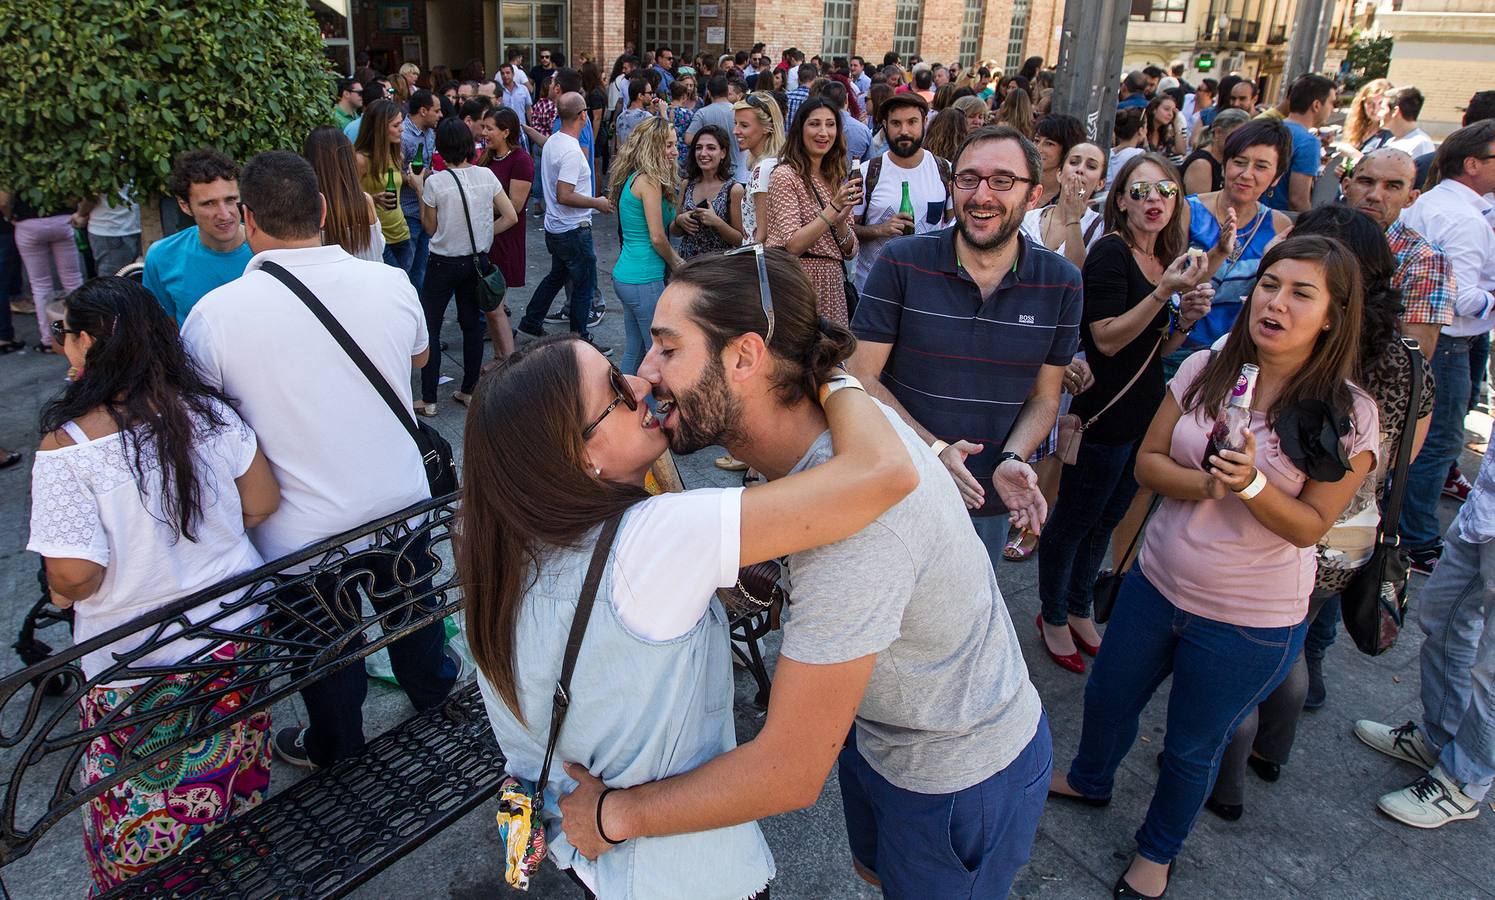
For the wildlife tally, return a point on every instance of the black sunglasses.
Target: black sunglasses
(765, 295)
(624, 396)
(60, 331)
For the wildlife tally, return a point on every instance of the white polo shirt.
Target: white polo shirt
(340, 455)
(563, 160)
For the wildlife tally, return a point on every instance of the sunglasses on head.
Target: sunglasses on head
(624, 395)
(765, 294)
(1138, 190)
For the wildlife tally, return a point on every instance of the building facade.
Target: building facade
(1444, 47)
(455, 32)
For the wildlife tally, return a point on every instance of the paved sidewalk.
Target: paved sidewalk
(1315, 833)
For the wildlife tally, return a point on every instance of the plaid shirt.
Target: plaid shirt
(1423, 276)
(796, 97)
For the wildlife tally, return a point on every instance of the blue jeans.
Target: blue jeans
(422, 250)
(969, 844)
(1322, 629)
(1479, 360)
(1445, 440)
(571, 257)
(638, 312)
(1456, 610)
(400, 255)
(1220, 672)
(1094, 495)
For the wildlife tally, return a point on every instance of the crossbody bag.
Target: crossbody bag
(491, 283)
(520, 803)
(435, 450)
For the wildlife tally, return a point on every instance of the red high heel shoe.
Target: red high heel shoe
(1088, 649)
(1073, 662)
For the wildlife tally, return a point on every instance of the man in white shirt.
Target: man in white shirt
(1455, 217)
(566, 179)
(876, 219)
(1403, 106)
(516, 59)
(340, 455)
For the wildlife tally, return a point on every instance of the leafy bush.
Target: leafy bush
(107, 92)
(1368, 58)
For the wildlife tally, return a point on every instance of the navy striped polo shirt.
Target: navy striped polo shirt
(963, 364)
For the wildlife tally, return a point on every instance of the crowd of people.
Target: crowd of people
(937, 324)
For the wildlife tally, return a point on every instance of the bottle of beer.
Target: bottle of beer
(389, 180)
(420, 159)
(906, 208)
(1232, 422)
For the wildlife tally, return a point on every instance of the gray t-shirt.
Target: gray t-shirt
(949, 703)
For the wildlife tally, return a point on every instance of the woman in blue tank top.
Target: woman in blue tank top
(1256, 156)
(558, 442)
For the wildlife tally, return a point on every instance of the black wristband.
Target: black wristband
(1006, 455)
(600, 833)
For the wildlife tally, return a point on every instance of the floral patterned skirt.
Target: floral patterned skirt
(152, 816)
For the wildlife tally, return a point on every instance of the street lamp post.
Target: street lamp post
(1089, 65)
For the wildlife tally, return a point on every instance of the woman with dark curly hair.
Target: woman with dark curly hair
(144, 484)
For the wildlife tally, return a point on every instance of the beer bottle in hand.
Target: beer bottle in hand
(1232, 422)
(906, 208)
(419, 162)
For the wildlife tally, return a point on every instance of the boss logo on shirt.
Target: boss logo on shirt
(1025, 320)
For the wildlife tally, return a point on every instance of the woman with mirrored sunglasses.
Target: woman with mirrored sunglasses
(558, 442)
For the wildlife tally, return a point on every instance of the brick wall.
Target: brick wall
(597, 28)
(1046, 14)
(872, 30)
(939, 34)
(994, 31)
(1447, 73)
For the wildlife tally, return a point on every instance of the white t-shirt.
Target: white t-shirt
(1118, 159)
(480, 186)
(1090, 224)
(1414, 143)
(563, 160)
(758, 184)
(661, 594)
(87, 506)
(925, 190)
(340, 455)
(116, 216)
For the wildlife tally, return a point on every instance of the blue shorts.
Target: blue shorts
(967, 844)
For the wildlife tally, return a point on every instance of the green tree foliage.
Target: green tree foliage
(1368, 57)
(106, 92)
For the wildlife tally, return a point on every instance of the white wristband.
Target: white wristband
(1254, 488)
(939, 447)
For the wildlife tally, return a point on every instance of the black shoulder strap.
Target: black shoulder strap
(869, 184)
(466, 213)
(1391, 509)
(1090, 232)
(350, 347)
(562, 700)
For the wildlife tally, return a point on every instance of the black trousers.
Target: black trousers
(445, 276)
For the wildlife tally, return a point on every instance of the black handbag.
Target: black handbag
(491, 283)
(1374, 603)
(1107, 583)
(435, 450)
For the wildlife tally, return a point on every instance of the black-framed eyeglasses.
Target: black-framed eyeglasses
(60, 331)
(1002, 181)
(1138, 190)
(624, 396)
(765, 294)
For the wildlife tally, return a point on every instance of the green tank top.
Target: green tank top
(391, 221)
(637, 262)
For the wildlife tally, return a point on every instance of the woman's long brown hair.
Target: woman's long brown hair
(373, 143)
(349, 223)
(797, 154)
(1174, 238)
(526, 491)
(1334, 362)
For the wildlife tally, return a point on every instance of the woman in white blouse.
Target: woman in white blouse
(1068, 226)
(142, 489)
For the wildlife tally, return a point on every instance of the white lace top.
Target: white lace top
(86, 505)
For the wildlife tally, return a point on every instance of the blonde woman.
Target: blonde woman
(645, 191)
(404, 84)
(973, 109)
(1362, 124)
(760, 134)
(381, 172)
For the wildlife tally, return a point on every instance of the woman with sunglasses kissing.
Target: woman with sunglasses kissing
(559, 442)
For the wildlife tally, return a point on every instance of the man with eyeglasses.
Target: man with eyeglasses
(642, 103)
(899, 665)
(967, 333)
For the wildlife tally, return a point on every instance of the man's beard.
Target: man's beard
(898, 146)
(1010, 226)
(706, 414)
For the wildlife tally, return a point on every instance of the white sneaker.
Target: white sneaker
(1429, 802)
(1403, 742)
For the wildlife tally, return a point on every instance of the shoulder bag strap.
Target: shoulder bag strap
(1090, 232)
(561, 703)
(874, 172)
(466, 213)
(350, 347)
(1127, 558)
(1122, 393)
(1391, 511)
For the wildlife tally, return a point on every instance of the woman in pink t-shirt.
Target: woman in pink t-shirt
(1219, 596)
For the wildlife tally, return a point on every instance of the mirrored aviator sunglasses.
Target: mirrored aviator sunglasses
(1138, 190)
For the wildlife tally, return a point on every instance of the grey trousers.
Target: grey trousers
(110, 254)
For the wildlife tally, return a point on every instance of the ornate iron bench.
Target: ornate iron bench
(337, 827)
